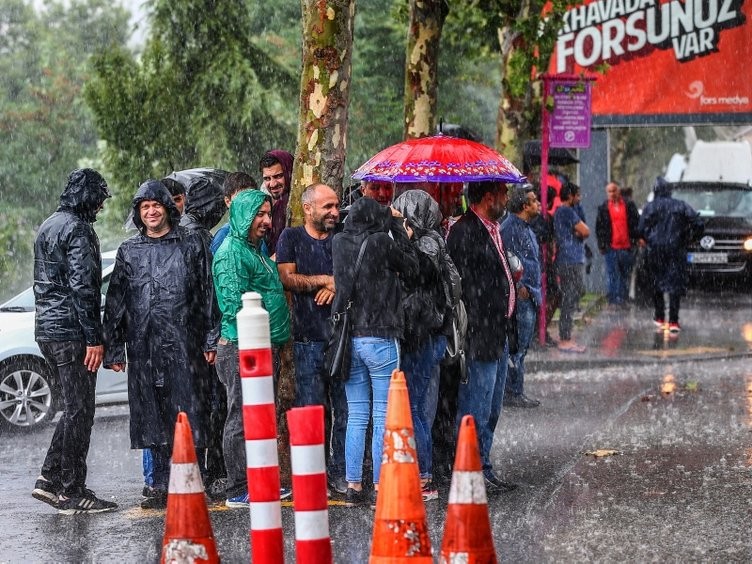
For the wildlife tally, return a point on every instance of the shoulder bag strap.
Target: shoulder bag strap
(355, 272)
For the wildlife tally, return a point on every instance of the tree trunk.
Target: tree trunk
(526, 40)
(422, 65)
(324, 97)
(321, 150)
(512, 125)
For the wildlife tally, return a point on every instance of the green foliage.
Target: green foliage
(16, 250)
(378, 77)
(203, 94)
(45, 126)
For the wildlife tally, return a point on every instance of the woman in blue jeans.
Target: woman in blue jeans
(377, 324)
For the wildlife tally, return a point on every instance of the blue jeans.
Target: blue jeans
(421, 369)
(147, 460)
(527, 313)
(482, 397)
(373, 360)
(618, 268)
(311, 388)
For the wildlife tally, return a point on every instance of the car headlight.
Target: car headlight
(748, 244)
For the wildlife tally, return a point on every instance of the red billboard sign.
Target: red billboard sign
(663, 59)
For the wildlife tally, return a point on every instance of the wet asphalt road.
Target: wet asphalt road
(680, 488)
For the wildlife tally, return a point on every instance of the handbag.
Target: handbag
(339, 347)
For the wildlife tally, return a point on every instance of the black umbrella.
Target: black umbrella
(557, 156)
(203, 191)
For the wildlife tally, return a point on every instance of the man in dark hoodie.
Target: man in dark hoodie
(67, 286)
(276, 172)
(160, 306)
(668, 226)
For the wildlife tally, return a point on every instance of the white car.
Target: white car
(29, 395)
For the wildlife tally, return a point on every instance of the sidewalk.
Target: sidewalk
(714, 326)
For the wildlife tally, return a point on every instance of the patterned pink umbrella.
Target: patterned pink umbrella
(439, 158)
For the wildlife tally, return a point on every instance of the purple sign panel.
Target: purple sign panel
(570, 117)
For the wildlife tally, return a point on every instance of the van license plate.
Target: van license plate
(707, 258)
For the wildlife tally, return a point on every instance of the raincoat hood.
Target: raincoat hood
(661, 189)
(420, 209)
(367, 216)
(84, 193)
(286, 160)
(154, 190)
(243, 211)
(205, 202)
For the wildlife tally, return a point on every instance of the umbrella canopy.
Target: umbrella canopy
(557, 156)
(439, 158)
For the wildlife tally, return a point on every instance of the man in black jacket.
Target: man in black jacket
(68, 328)
(616, 231)
(488, 291)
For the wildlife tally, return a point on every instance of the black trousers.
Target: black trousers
(65, 463)
(674, 302)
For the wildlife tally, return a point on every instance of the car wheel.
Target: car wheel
(27, 393)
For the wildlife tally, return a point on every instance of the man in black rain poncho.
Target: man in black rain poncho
(67, 285)
(159, 305)
(668, 226)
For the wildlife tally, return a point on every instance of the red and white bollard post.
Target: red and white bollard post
(260, 431)
(312, 542)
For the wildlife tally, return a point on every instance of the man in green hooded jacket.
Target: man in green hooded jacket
(239, 267)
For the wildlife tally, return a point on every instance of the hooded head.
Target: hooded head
(84, 193)
(283, 158)
(243, 210)
(154, 190)
(421, 210)
(661, 188)
(367, 216)
(205, 202)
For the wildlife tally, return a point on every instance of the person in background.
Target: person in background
(235, 183)
(162, 280)
(68, 329)
(304, 260)
(570, 232)
(178, 193)
(489, 294)
(381, 191)
(377, 325)
(239, 267)
(520, 239)
(616, 231)
(543, 227)
(668, 226)
(276, 173)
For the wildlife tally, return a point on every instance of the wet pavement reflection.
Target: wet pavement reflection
(632, 456)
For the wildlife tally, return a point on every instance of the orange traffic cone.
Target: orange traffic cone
(400, 532)
(467, 532)
(188, 534)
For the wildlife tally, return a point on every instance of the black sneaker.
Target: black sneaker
(495, 485)
(157, 499)
(87, 502)
(354, 498)
(217, 490)
(46, 491)
(522, 400)
(338, 484)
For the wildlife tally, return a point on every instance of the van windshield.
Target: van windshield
(721, 202)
